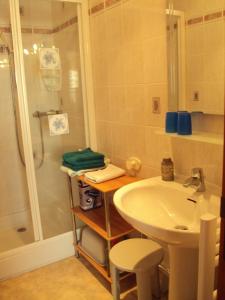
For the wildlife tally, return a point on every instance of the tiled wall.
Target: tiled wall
(205, 52)
(129, 69)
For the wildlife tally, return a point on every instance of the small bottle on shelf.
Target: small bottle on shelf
(167, 169)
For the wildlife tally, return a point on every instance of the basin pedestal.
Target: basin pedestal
(183, 273)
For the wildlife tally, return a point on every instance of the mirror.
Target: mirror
(196, 51)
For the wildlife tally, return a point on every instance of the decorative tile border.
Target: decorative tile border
(5, 29)
(68, 23)
(195, 21)
(213, 16)
(109, 3)
(206, 18)
(97, 8)
(102, 5)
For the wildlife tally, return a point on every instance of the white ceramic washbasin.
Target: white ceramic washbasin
(170, 213)
(165, 210)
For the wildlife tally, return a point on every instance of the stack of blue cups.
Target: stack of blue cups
(179, 122)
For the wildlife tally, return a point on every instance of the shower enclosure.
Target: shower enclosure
(45, 76)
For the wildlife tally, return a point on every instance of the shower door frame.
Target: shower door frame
(45, 254)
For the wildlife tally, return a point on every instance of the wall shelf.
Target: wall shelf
(197, 136)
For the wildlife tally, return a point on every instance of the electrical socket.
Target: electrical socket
(156, 105)
(196, 96)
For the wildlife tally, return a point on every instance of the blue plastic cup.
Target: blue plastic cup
(184, 125)
(171, 122)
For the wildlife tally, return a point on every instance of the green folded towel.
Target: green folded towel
(85, 166)
(82, 156)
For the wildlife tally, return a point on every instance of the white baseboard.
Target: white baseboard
(35, 255)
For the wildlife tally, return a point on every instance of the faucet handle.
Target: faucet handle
(197, 173)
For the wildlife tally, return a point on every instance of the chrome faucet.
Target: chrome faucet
(196, 180)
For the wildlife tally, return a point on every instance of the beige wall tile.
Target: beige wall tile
(133, 61)
(188, 155)
(104, 135)
(101, 95)
(155, 60)
(98, 31)
(157, 147)
(136, 141)
(131, 21)
(120, 141)
(153, 18)
(100, 68)
(115, 63)
(114, 20)
(195, 39)
(117, 105)
(134, 104)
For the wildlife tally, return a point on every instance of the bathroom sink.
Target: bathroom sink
(165, 210)
(170, 213)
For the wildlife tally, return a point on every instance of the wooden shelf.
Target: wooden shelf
(110, 185)
(102, 270)
(95, 219)
(202, 137)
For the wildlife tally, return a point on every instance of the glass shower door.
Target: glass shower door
(16, 227)
(53, 79)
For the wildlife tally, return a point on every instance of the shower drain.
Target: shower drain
(181, 227)
(21, 229)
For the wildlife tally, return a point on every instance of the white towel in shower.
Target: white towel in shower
(58, 124)
(110, 172)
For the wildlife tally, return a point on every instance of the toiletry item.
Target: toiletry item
(171, 122)
(93, 245)
(184, 126)
(167, 169)
(89, 197)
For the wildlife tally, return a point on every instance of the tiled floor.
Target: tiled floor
(65, 280)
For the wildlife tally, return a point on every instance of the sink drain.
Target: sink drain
(181, 227)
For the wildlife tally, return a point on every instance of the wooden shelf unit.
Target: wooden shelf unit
(105, 220)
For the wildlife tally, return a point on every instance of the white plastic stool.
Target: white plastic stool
(141, 256)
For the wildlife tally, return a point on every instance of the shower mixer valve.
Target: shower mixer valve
(39, 114)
